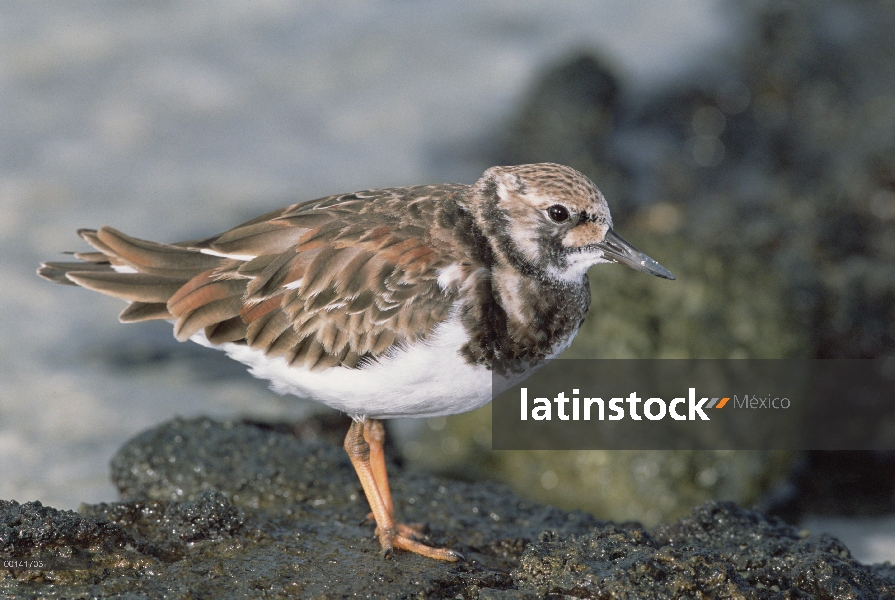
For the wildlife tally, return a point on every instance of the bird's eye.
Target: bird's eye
(558, 213)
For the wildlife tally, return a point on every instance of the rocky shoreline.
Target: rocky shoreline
(279, 514)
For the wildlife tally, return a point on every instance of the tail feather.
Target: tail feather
(160, 281)
(135, 287)
(145, 311)
(92, 257)
(91, 236)
(57, 271)
(154, 258)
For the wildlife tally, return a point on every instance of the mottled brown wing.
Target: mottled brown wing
(337, 281)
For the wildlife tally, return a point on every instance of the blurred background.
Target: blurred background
(748, 146)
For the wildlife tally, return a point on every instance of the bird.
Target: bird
(418, 301)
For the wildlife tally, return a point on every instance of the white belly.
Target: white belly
(431, 379)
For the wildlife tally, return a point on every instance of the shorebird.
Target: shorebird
(401, 302)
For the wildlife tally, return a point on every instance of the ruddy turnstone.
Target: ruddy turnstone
(399, 302)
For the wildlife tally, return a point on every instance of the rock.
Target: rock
(646, 486)
(239, 533)
(169, 528)
(720, 551)
(225, 509)
(32, 530)
(724, 304)
(186, 457)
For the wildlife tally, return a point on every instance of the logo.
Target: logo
(617, 409)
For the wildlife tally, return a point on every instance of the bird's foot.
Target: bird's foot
(401, 537)
(413, 531)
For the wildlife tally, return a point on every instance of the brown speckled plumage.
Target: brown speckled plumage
(342, 280)
(382, 303)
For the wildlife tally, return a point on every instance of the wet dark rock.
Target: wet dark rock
(32, 527)
(617, 485)
(34, 531)
(224, 509)
(248, 533)
(171, 527)
(249, 463)
(720, 551)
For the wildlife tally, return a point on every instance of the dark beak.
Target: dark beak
(615, 248)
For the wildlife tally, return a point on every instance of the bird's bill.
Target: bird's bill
(616, 249)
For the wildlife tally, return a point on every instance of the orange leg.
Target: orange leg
(359, 451)
(374, 435)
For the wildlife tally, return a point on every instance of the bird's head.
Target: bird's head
(550, 221)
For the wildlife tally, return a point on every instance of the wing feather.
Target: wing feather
(342, 280)
(259, 239)
(231, 330)
(211, 313)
